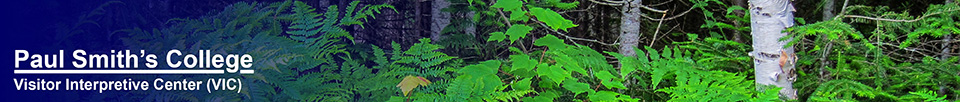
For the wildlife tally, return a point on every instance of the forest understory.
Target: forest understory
(554, 50)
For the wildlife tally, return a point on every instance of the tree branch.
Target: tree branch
(669, 18)
(575, 38)
(896, 20)
(664, 2)
(581, 10)
(620, 3)
(607, 3)
(505, 19)
(657, 30)
(652, 9)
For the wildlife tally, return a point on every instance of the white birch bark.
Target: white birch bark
(773, 63)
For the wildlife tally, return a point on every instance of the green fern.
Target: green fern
(835, 90)
(716, 53)
(421, 59)
(926, 96)
(243, 28)
(320, 34)
(691, 82)
(424, 55)
(476, 83)
(355, 14)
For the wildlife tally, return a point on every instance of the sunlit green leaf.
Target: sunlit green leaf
(576, 87)
(518, 31)
(497, 36)
(551, 18)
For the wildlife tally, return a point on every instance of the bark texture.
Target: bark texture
(472, 29)
(773, 63)
(440, 19)
(828, 9)
(630, 28)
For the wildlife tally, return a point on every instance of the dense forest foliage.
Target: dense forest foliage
(560, 50)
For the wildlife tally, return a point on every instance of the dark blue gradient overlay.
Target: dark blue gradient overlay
(39, 25)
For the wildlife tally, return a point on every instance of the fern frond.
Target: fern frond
(424, 55)
(509, 96)
(846, 89)
(927, 96)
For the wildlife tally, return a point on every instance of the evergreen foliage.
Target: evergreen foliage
(882, 62)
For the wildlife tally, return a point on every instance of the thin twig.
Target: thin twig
(505, 19)
(893, 20)
(576, 38)
(905, 48)
(843, 10)
(581, 10)
(657, 30)
(607, 3)
(611, 1)
(889, 20)
(661, 3)
(620, 3)
(823, 61)
(669, 18)
(652, 9)
(542, 53)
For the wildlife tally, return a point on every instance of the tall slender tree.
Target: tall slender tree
(630, 27)
(440, 19)
(773, 61)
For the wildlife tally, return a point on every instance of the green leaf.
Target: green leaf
(734, 8)
(515, 50)
(667, 52)
(677, 54)
(522, 62)
(490, 82)
(576, 87)
(537, 99)
(641, 56)
(869, 45)
(546, 96)
(801, 20)
(692, 36)
(519, 15)
(522, 84)
(566, 6)
(508, 5)
(553, 73)
(604, 75)
(628, 64)
(550, 41)
(654, 55)
(518, 31)
(497, 36)
(552, 18)
(657, 76)
(409, 82)
(483, 75)
(604, 96)
(484, 68)
(725, 25)
(574, 66)
(608, 80)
